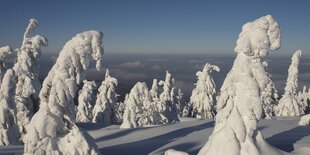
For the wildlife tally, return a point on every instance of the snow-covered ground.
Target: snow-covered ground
(189, 135)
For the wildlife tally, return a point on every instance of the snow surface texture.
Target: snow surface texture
(9, 133)
(289, 104)
(86, 99)
(26, 71)
(239, 104)
(4, 52)
(104, 111)
(52, 129)
(140, 110)
(269, 97)
(203, 96)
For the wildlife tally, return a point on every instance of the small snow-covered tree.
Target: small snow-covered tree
(27, 71)
(167, 98)
(140, 110)
(203, 96)
(86, 101)
(154, 90)
(269, 96)
(239, 103)
(305, 120)
(4, 52)
(180, 103)
(9, 133)
(303, 98)
(104, 110)
(52, 129)
(289, 104)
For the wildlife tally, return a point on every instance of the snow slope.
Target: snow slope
(189, 135)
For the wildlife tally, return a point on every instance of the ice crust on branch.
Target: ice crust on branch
(239, 103)
(27, 71)
(203, 96)
(289, 105)
(104, 111)
(52, 129)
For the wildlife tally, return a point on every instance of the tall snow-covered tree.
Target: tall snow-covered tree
(154, 90)
(239, 103)
(269, 96)
(4, 52)
(140, 110)
(203, 96)
(9, 133)
(104, 111)
(86, 101)
(52, 129)
(27, 71)
(289, 104)
(167, 98)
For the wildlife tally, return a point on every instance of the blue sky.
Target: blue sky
(149, 26)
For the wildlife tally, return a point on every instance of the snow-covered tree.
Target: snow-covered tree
(86, 101)
(4, 52)
(289, 104)
(104, 110)
(303, 98)
(269, 96)
(154, 90)
(27, 71)
(52, 129)
(9, 133)
(239, 103)
(140, 110)
(180, 103)
(167, 98)
(203, 96)
(304, 120)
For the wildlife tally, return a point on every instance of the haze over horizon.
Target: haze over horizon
(175, 27)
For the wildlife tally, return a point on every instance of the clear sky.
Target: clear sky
(155, 26)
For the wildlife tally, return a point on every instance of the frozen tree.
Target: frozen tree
(269, 96)
(52, 129)
(303, 98)
(154, 90)
(4, 52)
(180, 103)
(9, 133)
(203, 96)
(86, 100)
(167, 98)
(239, 104)
(140, 110)
(26, 71)
(289, 104)
(305, 120)
(104, 110)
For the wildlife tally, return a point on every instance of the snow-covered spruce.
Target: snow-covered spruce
(167, 99)
(239, 103)
(4, 52)
(303, 98)
(140, 110)
(180, 103)
(9, 133)
(154, 90)
(52, 129)
(289, 104)
(104, 110)
(203, 96)
(269, 96)
(86, 101)
(27, 71)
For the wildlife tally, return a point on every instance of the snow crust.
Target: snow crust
(52, 129)
(203, 96)
(289, 104)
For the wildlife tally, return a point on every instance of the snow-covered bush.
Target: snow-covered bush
(4, 52)
(167, 99)
(304, 120)
(9, 133)
(86, 101)
(269, 97)
(52, 129)
(203, 96)
(289, 104)
(239, 103)
(104, 110)
(27, 71)
(140, 110)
